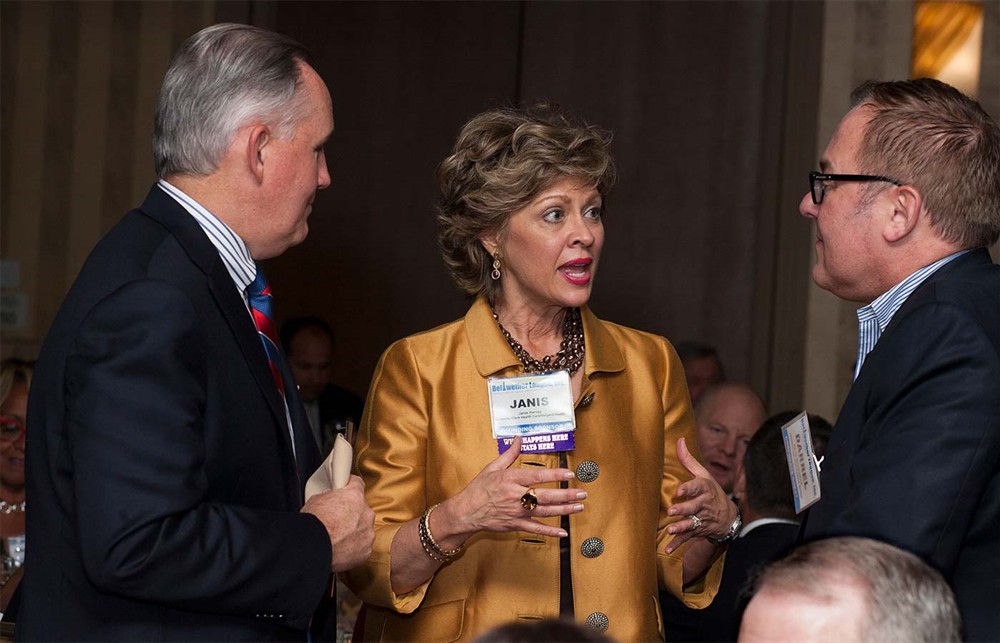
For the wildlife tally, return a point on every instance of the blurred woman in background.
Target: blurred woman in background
(15, 377)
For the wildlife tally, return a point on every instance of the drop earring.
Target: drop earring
(496, 267)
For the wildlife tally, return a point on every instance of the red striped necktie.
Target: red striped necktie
(259, 294)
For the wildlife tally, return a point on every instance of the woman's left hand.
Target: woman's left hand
(701, 497)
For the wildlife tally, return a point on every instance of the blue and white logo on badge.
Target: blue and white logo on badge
(539, 408)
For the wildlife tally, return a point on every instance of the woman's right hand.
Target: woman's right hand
(492, 500)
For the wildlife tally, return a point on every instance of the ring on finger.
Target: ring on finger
(696, 521)
(529, 500)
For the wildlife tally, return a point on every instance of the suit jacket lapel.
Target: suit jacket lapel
(971, 259)
(163, 208)
(306, 450)
(977, 257)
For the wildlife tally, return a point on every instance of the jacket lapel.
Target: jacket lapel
(977, 257)
(489, 349)
(492, 354)
(306, 450)
(161, 207)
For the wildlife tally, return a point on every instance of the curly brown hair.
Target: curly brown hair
(503, 157)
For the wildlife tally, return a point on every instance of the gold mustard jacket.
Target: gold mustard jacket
(426, 433)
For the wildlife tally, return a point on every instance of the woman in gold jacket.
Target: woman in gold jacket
(466, 540)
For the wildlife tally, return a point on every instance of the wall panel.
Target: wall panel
(21, 231)
(404, 77)
(696, 94)
(78, 85)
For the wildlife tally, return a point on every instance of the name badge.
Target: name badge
(539, 408)
(802, 463)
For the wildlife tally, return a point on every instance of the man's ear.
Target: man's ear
(907, 209)
(258, 138)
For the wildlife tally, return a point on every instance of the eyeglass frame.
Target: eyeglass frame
(819, 177)
(22, 431)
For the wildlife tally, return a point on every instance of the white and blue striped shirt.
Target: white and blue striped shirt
(875, 317)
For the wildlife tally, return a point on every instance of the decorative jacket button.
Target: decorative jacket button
(587, 471)
(598, 621)
(586, 401)
(592, 548)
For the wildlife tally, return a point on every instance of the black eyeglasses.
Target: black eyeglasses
(817, 182)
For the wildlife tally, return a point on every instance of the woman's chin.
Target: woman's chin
(578, 299)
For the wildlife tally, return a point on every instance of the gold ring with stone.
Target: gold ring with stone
(529, 500)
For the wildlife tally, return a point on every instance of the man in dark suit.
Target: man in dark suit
(168, 456)
(908, 200)
(309, 344)
(763, 493)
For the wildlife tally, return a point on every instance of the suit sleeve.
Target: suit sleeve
(931, 441)
(391, 458)
(678, 422)
(135, 406)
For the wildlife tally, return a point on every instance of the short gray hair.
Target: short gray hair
(223, 77)
(907, 599)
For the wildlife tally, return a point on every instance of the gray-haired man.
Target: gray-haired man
(169, 447)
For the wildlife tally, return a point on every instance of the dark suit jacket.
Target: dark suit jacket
(164, 493)
(914, 458)
(720, 621)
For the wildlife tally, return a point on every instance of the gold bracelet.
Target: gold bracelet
(426, 543)
(427, 539)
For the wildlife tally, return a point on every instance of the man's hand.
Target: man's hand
(349, 521)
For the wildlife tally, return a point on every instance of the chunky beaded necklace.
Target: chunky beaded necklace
(571, 350)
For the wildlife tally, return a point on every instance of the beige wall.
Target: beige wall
(79, 84)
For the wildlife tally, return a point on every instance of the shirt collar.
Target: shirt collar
(885, 306)
(760, 522)
(232, 249)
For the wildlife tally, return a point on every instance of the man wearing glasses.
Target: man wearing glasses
(907, 200)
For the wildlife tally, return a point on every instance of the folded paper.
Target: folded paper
(335, 470)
